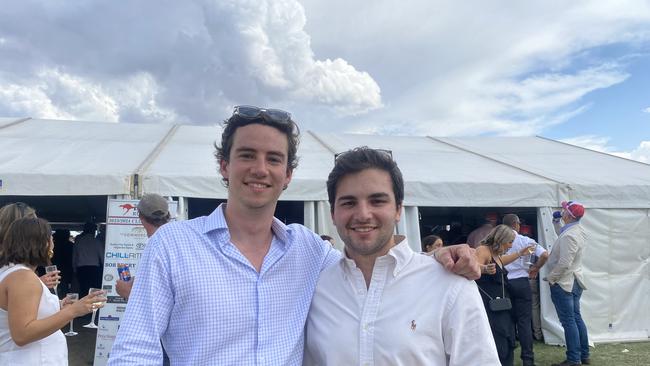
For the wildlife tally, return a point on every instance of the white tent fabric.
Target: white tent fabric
(65, 158)
(595, 179)
(616, 268)
(46, 157)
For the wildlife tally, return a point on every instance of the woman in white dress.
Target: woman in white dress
(30, 316)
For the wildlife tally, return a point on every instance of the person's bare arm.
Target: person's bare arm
(24, 291)
(509, 258)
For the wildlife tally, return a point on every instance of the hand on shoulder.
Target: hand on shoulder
(460, 259)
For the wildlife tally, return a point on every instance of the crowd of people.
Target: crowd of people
(240, 287)
(510, 264)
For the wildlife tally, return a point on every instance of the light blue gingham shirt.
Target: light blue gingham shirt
(200, 296)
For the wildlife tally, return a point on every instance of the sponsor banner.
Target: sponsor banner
(116, 300)
(126, 239)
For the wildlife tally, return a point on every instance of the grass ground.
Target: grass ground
(613, 354)
(82, 347)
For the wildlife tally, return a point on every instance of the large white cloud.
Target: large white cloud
(493, 67)
(416, 67)
(163, 60)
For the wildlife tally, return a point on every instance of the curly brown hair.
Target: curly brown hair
(27, 242)
(230, 126)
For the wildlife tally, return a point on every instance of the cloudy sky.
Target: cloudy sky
(576, 71)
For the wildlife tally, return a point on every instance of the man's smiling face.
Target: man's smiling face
(365, 212)
(257, 167)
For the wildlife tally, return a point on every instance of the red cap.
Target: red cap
(574, 209)
(491, 216)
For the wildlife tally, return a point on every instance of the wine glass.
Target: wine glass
(50, 269)
(95, 306)
(72, 297)
(531, 250)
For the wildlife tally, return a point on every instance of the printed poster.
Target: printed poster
(126, 239)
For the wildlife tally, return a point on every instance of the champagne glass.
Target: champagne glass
(95, 306)
(531, 251)
(72, 297)
(50, 269)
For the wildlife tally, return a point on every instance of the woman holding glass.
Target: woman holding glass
(493, 286)
(30, 316)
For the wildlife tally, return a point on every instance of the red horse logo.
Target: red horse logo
(127, 207)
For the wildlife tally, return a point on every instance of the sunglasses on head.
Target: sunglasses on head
(252, 112)
(388, 153)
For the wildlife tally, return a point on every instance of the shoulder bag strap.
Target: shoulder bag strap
(503, 281)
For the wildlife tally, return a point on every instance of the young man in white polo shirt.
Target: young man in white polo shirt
(370, 307)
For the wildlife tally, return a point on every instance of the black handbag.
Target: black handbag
(498, 303)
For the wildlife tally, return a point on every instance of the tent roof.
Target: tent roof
(53, 158)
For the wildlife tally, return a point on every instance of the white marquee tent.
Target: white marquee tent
(45, 158)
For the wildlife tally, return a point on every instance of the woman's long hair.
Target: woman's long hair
(498, 237)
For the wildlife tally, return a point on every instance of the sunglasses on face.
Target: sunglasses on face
(252, 112)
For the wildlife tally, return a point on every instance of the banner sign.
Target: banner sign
(126, 239)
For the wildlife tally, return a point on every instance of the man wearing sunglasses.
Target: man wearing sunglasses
(234, 287)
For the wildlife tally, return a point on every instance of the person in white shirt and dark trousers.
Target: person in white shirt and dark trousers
(519, 272)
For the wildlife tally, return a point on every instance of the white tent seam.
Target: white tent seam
(146, 163)
(496, 160)
(15, 122)
(317, 138)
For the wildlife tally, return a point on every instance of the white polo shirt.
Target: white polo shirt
(414, 313)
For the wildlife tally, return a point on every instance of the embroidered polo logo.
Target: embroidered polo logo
(413, 325)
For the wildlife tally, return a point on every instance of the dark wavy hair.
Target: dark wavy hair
(230, 126)
(26, 242)
(362, 158)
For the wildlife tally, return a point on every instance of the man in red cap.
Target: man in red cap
(567, 282)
